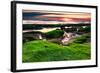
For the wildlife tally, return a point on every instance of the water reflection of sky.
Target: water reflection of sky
(51, 17)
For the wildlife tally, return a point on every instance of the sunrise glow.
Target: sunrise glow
(50, 17)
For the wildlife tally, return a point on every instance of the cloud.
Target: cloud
(47, 17)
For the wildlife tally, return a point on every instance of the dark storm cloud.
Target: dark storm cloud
(30, 15)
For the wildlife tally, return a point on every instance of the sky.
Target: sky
(55, 17)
